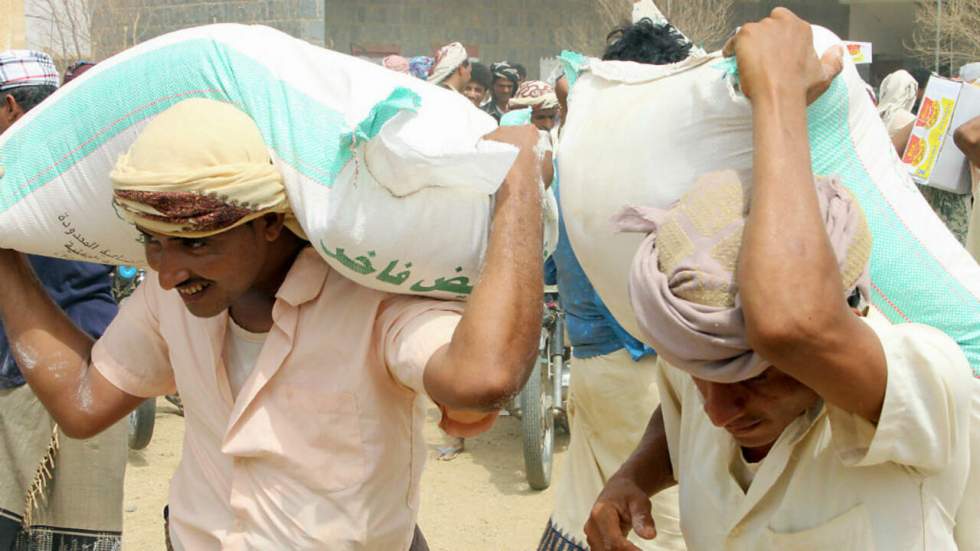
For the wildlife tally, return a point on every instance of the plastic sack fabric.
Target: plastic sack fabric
(367, 155)
(642, 134)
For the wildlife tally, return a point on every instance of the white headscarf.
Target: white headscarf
(897, 98)
(970, 72)
(449, 58)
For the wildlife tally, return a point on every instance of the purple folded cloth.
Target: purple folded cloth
(682, 283)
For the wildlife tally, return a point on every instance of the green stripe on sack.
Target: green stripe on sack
(309, 136)
(911, 283)
(572, 64)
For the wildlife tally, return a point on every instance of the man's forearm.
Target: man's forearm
(785, 262)
(51, 352)
(967, 138)
(496, 342)
(650, 465)
(792, 294)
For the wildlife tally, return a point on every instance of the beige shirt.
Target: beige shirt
(833, 481)
(323, 446)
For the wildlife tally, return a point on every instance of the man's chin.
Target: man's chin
(758, 437)
(205, 310)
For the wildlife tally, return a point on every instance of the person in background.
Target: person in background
(921, 76)
(521, 74)
(395, 63)
(452, 67)
(535, 102)
(898, 95)
(967, 138)
(420, 66)
(477, 89)
(613, 388)
(76, 70)
(901, 92)
(56, 492)
(505, 79)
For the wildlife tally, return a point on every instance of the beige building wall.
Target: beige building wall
(12, 24)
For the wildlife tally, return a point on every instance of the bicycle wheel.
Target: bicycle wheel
(141, 421)
(538, 427)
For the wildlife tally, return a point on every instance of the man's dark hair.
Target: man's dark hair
(921, 76)
(647, 42)
(521, 70)
(27, 97)
(481, 74)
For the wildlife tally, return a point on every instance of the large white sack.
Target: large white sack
(641, 135)
(387, 174)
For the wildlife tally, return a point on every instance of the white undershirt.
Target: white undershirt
(744, 471)
(242, 349)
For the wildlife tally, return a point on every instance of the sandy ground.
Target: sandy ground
(478, 502)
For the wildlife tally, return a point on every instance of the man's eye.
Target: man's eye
(145, 239)
(195, 243)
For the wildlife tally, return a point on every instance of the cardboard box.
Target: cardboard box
(860, 52)
(932, 157)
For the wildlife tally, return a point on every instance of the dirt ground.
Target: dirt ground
(478, 502)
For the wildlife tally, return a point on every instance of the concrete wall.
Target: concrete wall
(492, 30)
(119, 24)
(12, 25)
(887, 24)
(517, 30)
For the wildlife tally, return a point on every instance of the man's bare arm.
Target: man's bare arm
(496, 342)
(624, 503)
(967, 138)
(53, 354)
(789, 280)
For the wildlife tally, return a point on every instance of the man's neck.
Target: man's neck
(754, 455)
(253, 310)
(453, 83)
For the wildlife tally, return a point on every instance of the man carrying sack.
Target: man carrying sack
(789, 418)
(302, 391)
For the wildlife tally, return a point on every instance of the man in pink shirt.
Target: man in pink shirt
(303, 391)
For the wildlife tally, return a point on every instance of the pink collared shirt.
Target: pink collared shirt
(323, 446)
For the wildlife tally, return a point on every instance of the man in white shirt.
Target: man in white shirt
(822, 429)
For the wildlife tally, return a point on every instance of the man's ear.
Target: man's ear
(275, 223)
(12, 108)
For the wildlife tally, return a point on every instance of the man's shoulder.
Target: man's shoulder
(920, 347)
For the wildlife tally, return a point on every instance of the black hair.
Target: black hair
(647, 42)
(921, 76)
(27, 97)
(481, 74)
(521, 70)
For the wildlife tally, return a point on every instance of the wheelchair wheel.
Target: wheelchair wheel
(141, 422)
(538, 427)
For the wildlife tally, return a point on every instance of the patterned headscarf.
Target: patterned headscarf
(898, 93)
(449, 58)
(682, 283)
(503, 69)
(395, 63)
(535, 94)
(20, 68)
(199, 168)
(420, 66)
